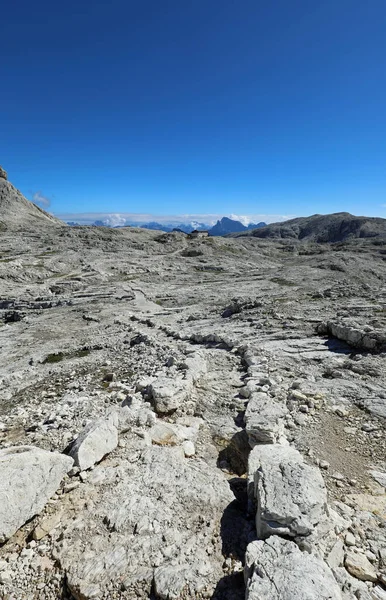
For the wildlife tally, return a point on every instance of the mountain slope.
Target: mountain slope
(226, 226)
(16, 212)
(335, 227)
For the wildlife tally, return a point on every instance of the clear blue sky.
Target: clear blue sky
(177, 106)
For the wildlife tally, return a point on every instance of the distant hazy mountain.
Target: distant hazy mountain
(257, 225)
(331, 228)
(153, 225)
(222, 227)
(226, 226)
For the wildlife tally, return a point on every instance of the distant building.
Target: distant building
(199, 234)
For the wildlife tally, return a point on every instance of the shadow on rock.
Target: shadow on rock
(236, 532)
(230, 587)
(337, 346)
(236, 453)
(235, 524)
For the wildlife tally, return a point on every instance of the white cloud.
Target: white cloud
(242, 218)
(114, 220)
(40, 199)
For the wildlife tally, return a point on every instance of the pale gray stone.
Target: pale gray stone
(264, 420)
(335, 557)
(169, 394)
(162, 508)
(96, 440)
(28, 478)
(276, 569)
(290, 495)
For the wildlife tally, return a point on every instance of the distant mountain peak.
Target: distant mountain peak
(227, 225)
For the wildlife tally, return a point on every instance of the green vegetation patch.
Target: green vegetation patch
(59, 356)
(53, 358)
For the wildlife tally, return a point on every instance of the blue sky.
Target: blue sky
(209, 106)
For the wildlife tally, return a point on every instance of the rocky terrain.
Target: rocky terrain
(188, 419)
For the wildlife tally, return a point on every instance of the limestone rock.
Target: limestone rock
(28, 478)
(196, 365)
(335, 557)
(169, 394)
(360, 567)
(164, 434)
(264, 420)
(161, 516)
(276, 569)
(290, 495)
(378, 593)
(47, 525)
(170, 581)
(3, 173)
(355, 336)
(96, 440)
(189, 448)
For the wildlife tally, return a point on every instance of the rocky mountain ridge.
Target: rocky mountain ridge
(16, 212)
(329, 228)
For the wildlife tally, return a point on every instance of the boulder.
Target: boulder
(169, 394)
(96, 440)
(164, 434)
(360, 567)
(290, 495)
(28, 478)
(3, 173)
(276, 569)
(264, 420)
(335, 557)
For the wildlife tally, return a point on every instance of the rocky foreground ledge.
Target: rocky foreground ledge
(173, 433)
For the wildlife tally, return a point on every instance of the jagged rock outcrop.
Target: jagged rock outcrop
(276, 569)
(28, 478)
(16, 212)
(362, 337)
(3, 173)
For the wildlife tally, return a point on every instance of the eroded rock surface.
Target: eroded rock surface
(157, 517)
(290, 495)
(278, 570)
(264, 420)
(28, 478)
